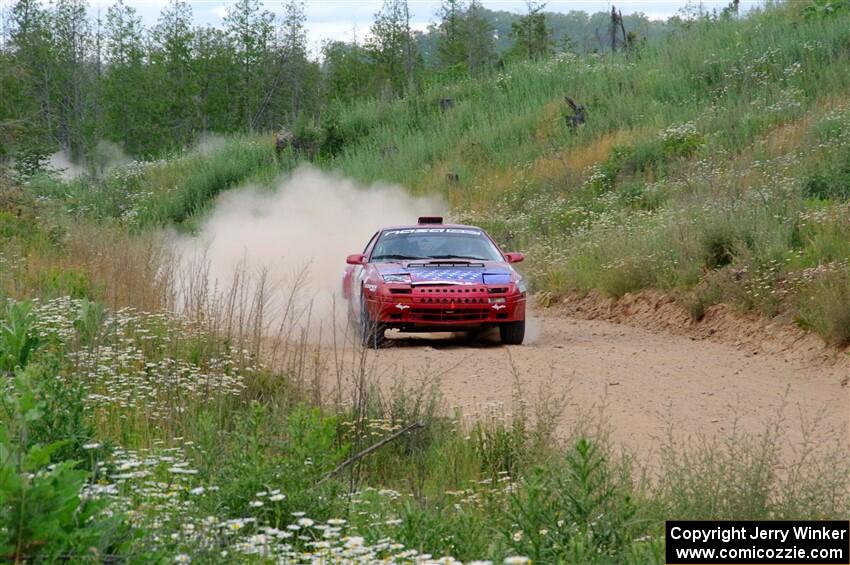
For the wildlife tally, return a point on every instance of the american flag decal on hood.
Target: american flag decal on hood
(458, 276)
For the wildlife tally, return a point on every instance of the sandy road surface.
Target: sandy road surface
(646, 381)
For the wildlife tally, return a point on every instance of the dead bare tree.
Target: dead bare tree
(617, 28)
(283, 139)
(579, 115)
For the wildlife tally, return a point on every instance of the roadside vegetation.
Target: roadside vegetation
(712, 164)
(144, 438)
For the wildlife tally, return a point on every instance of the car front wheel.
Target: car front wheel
(512, 333)
(372, 333)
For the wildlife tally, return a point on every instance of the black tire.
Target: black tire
(512, 333)
(372, 334)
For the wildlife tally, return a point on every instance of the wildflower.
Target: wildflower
(255, 503)
(306, 522)
(197, 490)
(517, 560)
(182, 471)
(183, 558)
(517, 535)
(235, 525)
(92, 446)
(277, 497)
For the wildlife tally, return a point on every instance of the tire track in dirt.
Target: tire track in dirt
(647, 382)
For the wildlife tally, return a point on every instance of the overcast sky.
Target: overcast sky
(338, 19)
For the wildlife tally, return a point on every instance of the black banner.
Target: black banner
(759, 543)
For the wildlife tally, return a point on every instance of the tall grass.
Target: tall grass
(195, 446)
(197, 437)
(707, 152)
(716, 154)
(713, 162)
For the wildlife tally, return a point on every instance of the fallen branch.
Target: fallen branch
(370, 449)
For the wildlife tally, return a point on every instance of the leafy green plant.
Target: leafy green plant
(17, 339)
(73, 282)
(578, 511)
(824, 8)
(719, 245)
(824, 307)
(89, 321)
(42, 514)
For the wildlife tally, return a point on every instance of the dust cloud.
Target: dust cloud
(296, 238)
(104, 157)
(64, 167)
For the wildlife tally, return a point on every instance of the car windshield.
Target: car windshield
(435, 243)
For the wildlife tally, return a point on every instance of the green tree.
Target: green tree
(125, 74)
(74, 80)
(32, 54)
(175, 95)
(530, 34)
(250, 29)
(392, 48)
(346, 71)
(286, 97)
(216, 69)
(451, 40)
(479, 40)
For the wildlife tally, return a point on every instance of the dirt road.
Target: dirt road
(645, 381)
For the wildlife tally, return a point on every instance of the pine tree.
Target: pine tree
(451, 40)
(532, 39)
(391, 46)
(479, 39)
(287, 96)
(250, 29)
(346, 71)
(176, 90)
(216, 68)
(124, 98)
(73, 77)
(31, 46)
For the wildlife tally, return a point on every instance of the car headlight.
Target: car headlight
(520, 284)
(399, 278)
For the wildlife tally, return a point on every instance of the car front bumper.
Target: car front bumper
(445, 307)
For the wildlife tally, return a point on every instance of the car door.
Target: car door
(354, 274)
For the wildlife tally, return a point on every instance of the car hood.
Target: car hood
(450, 272)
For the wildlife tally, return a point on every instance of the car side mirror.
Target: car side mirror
(356, 259)
(515, 257)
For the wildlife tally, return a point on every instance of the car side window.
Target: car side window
(369, 245)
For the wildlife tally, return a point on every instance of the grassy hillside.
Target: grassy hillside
(713, 165)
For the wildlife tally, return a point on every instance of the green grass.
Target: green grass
(713, 165)
(720, 149)
(222, 460)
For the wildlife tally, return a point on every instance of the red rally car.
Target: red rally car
(434, 277)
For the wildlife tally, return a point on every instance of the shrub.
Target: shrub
(42, 516)
(830, 180)
(702, 297)
(718, 245)
(577, 511)
(69, 281)
(824, 307)
(18, 341)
